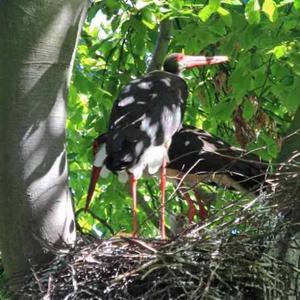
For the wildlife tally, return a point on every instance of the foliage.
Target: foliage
(248, 102)
(3, 285)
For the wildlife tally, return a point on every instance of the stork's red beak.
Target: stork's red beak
(94, 178)
(197, 61)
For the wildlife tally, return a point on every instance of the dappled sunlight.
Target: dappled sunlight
(59, 214)
(53, 172)
(57, 118)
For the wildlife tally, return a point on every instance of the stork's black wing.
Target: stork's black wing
(148, 112)
(198, 152)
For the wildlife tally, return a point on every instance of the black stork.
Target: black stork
(144, 118)
(99, 170)
(198, 156)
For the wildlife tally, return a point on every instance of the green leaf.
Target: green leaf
(292, 99)
(205, 13)
(270, 9)
(297, 5)
(255, 61)
(249, 110)
(214, 4)
(115, 23)
(240, 80)
(271, 145)
(149, 19)
(258, 78)
(177, 4)
(252, 12)
(287, 80)
(88, 61)
(225, 15)
(72, 156)
(279, 51)
(72, 95)
(209, 9)
(112, 4)
(289, 96)
(210, 125)
(142, 3)
(223, 111)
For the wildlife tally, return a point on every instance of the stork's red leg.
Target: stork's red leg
(134, 205)
(192, 209)
(94, 178)
(202, 209)
(163, 199)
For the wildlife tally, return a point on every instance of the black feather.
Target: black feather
(189, 152)
(154, 97)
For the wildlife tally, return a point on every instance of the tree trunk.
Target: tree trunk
(291, 144)
(288, 245)
(37, 45)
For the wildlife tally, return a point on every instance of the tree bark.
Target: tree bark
(37, 45)
(288, 244)
(291, 144)
(161, 48)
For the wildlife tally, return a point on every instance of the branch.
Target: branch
(101, 220)
(291, 142)
(161, 48)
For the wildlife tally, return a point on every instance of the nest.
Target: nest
(231, 256)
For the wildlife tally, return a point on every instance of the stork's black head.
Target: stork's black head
(171, 63)
(177, 62)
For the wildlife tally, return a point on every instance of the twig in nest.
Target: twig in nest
(101, 220)
(140, 243)
(135, 271)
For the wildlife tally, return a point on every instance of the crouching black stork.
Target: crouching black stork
(144, 118)
(198, 156)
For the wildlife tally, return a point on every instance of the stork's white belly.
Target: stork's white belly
(218, 178)
(151, 159)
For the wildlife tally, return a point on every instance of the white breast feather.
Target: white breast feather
(104, 172)
(100, 156)
(151, 158)
(123, 176)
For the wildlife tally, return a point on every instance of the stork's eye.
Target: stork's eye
(179, 57)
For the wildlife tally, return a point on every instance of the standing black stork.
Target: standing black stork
(144, 118)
